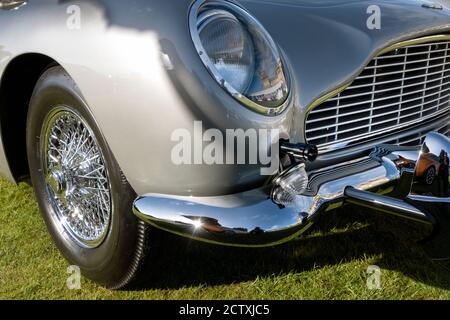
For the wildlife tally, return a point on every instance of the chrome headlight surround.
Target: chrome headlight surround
(270, 101)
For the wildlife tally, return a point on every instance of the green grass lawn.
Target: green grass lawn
(328, 263)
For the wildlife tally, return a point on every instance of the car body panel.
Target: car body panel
(142, 77)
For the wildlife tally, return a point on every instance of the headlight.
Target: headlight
(240, 55)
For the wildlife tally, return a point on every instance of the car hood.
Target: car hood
(327, 42)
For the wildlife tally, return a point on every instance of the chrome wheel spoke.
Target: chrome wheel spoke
(76, 176)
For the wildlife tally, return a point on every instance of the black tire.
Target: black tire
(116, 262)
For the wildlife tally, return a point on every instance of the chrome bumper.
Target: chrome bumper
(253, 219)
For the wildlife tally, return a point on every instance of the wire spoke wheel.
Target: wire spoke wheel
(77, 181)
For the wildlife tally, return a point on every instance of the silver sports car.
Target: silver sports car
(236, 123)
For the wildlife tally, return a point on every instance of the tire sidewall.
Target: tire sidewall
(108, 262)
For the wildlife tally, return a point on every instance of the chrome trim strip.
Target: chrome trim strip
(415, 197)
(13, 5)
(413, 42)
(432, 6)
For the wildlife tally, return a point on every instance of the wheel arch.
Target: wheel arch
(16, 89)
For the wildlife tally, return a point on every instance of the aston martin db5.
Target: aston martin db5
(232, 122)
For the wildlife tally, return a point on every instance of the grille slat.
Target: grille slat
(376, 116)
(427, 45)
(403, 63)
(398, 89)
(409, 70)
(376, 100)
(390, 89)
(391, 81)
(379, 122)
(417, 139)
(384, 57)
(380, 107)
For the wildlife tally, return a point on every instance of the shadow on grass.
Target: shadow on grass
(336, 239)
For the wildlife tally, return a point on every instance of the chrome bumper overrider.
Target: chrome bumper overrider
(253, 219)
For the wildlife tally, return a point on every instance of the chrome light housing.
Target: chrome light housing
(290, 184)
(240, 55)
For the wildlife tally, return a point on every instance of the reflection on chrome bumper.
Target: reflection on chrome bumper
(253, 219)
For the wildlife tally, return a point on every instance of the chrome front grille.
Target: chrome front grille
(399, 89)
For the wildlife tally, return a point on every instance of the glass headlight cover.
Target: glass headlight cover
(240, 55)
